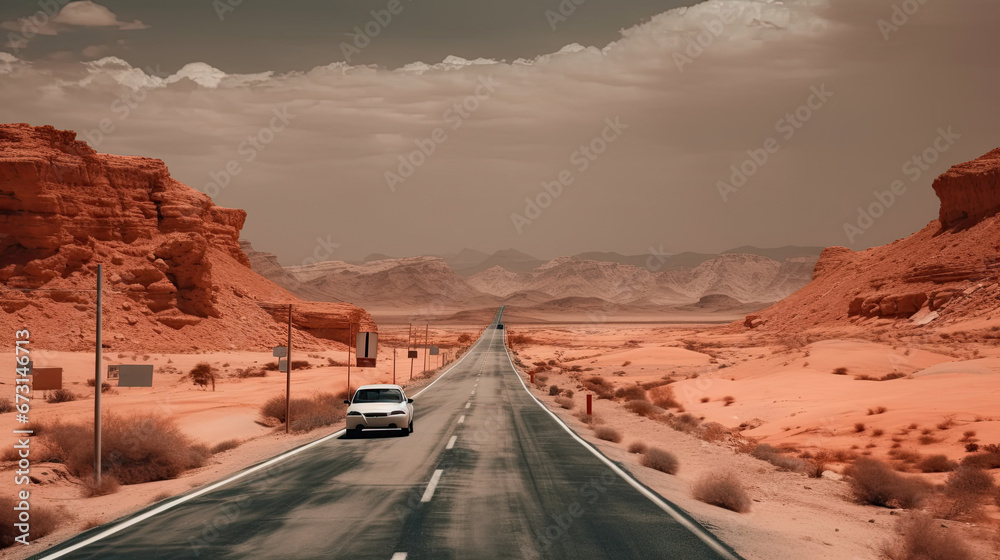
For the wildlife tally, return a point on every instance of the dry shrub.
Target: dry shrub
(936, 463)
(723, 490)
(874, 483)
(859, 427)
(318, 411)
(965, 489)
(877, 410)
(705, 399)
(642, 408)
(136, 448)
(905, 455)
(6, 405)
(608, 434)
(223, 446)
(768, 453)
(60, 396)
(631, 393)
(686, 422)
(713, 431)
(203, 374)
(985, 460)
(274, 407)
(922, 538)
(588, 418)
(43, 521)
(878, 432)
(728, 400)
(927, 439)
(637, 447)
(600, 387)
(840, 371)
(565, 402)
(663, 397)
(658, 383)
(660, 459)
(251, 371)
(553, 390)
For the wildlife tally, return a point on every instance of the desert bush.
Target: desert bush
(927, 439)
(768, 453)
(658, 383)
(600, 387)
(626, 363)
(840, 371)
(553, 390)
(874, 483)
(203, 374)
(270, 366)
(60, 396)
(946, 425)
(568, 393)
(728, 400)
(248, 372)
(878, 432)
(637, 447)
(859, 428)
(971, 447)
(877, 410)
(105, 386)
(968, 435)
(686, 422)
(320, 410)
(970, 480)
(608, 434)
(983, 460)
(43, 521)
(588, 418)
(921, 538)
(936, 463)
(660, 459)
(705, 399)
(565, 402)
(663, 397)
(713, 431)
(630, 393)
(464, 338)
(136, 448)
(226, 445)
(722, 490)
(6, 405)
(642, 408)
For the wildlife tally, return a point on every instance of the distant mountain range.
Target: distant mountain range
(746, 278)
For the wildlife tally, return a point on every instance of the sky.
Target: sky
(410, 127)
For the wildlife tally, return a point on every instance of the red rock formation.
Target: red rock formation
(970, 191)
(171, 257)
(951, 266)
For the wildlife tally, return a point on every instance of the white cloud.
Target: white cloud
(89, 14)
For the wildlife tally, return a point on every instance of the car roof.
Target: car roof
(379, 386)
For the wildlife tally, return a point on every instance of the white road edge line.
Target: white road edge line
(188, 497)
(699, 532)
(468, 404)
(398, 556)
(429, 493)
(461, 419)
(451, 442)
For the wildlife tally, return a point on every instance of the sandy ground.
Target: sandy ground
(797, 400)
(230, 412)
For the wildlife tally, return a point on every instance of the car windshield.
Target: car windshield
(378, 395)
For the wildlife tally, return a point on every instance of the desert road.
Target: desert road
(487, 474)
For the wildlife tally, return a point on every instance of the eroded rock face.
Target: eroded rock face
(969, 191)
(175, 277)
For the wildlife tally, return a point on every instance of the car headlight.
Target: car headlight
(354, 413)
(397, 412)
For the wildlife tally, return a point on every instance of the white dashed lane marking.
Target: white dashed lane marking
(429, 493)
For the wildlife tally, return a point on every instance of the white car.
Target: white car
(379, 406)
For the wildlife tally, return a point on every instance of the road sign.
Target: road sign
(367, 349)
(279, 351)
(283, 364)
(47, 379)
(435, 351)
(411, 354)
(135, 375)
(113, 372)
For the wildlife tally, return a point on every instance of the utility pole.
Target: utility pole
(350, 337)
(288, 374)
(427, 350)
(97, 382)
(393, 366)
(409, 340)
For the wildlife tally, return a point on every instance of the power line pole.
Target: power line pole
(427, 350)
(288, 374)
(97, 382)
(350, 336)
(409, 341)
(393, 366)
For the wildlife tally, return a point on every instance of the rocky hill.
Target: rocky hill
(944, 274)
(175, 276)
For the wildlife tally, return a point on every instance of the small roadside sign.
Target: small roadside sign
(47, 379)
(367, 349)
(411, 354)
(135, 375)
(283, 364)
(435, 351)
(113, 372)
(280, 351)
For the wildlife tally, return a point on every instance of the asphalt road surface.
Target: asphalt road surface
(487, 474)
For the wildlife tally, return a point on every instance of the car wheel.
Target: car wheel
(356, 432)
(411, 426)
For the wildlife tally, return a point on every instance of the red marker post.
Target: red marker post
(590, 404)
